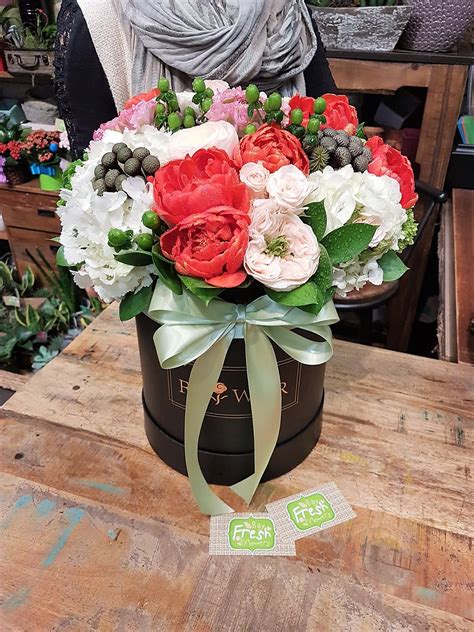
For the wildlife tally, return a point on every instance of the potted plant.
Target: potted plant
(31, 45)
(374, 25)
(224, 221)
(13, 165)
(437, 26)
(42, 151)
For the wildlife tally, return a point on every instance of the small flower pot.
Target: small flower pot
(436, 25)
(17, 174)
(361, 28)
(226, 447)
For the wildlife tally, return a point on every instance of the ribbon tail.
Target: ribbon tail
(265, 398)
(202, 381)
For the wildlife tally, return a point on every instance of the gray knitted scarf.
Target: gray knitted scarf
(269, 42)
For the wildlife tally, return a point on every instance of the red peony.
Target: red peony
(196, 183)
(306, 104)
(143, 96)
(274, 148)
(388, 161)
(210, 245)
(340, 114)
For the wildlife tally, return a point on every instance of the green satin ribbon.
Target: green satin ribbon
(192, 331)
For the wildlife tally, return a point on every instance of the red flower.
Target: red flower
(274, 148)
(387, 160)
(143, 96)
(210, 245)
(340, 114)
(306, 104)
(207, 179)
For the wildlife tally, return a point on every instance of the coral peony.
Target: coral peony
(143, 96)
(387, 160)
(210, 245)
(273, 148)
(305, 104)
(196, 183)
(340, 114)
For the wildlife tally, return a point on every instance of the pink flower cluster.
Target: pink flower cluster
(230, 105)
(142, 113)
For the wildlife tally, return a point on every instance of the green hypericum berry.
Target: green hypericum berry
(274, 101)
(174, 121)
(189, 121)
(160, 108)
(252, 93)
(189, 111)
(319, 105)
(209, 92)
(206, 105)
(173, 104)
(199, 85)
(267, 106)
(313, 125)
(297, 116)
(144, 241)
(151, 220)
(163, 85)
(117, 237)
(250, 129)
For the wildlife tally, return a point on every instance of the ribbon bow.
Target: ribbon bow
(192, 331)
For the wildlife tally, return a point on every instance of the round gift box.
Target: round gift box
(226, 446)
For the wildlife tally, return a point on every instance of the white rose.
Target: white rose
(255, 176)
(218, 134)
(289, 187)
(283, 252)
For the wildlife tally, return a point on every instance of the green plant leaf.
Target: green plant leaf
(135, 303)
(200, 288)
(307, 294)
(317, 218)
(323, 275)
(392, 266)
(166, 271)
(348, 241)
(60, 258)
(135, 257)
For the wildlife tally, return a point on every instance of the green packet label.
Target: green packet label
(247, 534)
(310, 511)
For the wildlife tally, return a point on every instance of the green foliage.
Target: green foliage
(316, 217)
(348, 241)
(200, 288)
(135, 303)
(166, 271)
(135, 257)
(392, 266)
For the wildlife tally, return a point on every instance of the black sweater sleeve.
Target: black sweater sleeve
(318, 77)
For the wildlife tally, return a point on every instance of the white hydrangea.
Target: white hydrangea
(86, 219)
(360, 197)
(354, 275)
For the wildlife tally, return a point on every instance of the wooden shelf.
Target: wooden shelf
(32, 186)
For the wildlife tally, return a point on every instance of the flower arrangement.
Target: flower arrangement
(225, 213)
(224, 187)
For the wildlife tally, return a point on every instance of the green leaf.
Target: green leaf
(135, 303)
(392, 266)
(200, 288)
(61, 259)
(360, 131)
(134, 257)
(323, 275)
(317, 218)
(348, 241)
(166, 271)
(306, 294)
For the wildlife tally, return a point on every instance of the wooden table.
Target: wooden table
(98, 534)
